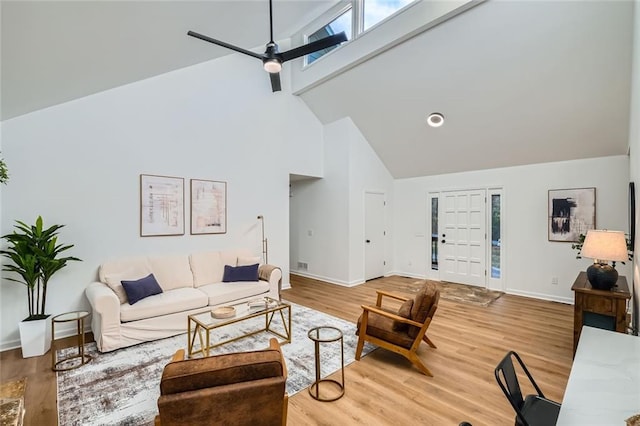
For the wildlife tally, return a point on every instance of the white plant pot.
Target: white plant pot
(35, 337)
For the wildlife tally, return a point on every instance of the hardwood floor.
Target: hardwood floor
(385, 389)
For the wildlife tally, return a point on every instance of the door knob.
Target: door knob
(367, 241)
(443, 241)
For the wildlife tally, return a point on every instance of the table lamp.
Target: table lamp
(603, 246)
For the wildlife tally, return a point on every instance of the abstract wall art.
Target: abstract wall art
(161, 205)
(208, 207)
(571, 212)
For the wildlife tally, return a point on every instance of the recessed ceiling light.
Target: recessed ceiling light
(435, 119)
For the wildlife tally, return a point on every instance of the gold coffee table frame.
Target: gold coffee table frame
(200, 325)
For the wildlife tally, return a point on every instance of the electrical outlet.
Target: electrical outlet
(554, 280)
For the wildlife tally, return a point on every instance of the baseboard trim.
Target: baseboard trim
(408, 275)
(327, 279)
(60, 334)
(541, 296)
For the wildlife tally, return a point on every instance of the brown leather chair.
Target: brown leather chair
(244, 388)
(401, 331)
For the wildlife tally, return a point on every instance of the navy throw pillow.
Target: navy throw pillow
(240, 273)
(139, 289)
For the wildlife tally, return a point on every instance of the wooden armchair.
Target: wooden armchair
(243, 388)
(402, 331)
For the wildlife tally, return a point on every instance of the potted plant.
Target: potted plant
(35, 254)
(4, 172)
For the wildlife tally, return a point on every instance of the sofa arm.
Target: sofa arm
(105, 319)
(273, 275)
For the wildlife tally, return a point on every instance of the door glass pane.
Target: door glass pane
(495, 236)
(434, 233)
(338, 25)
(376, 10)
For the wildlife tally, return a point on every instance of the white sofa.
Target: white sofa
(190, 284)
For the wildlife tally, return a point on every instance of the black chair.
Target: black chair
(531, 410)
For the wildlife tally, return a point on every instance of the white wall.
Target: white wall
(530, 260)
(367, 173)
(634, 146)
(321, 209)
(79, 164)
(327, 215)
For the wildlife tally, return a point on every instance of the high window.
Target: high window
(375, 11)
(361, 15)
(341, 23)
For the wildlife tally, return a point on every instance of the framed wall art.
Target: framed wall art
(161, 205)
(208, 207)
(571, 212)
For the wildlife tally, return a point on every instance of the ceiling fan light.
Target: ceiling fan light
(272, 66)
(435, 119)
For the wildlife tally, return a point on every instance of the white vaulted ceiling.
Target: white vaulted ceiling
(56, 51)
(518, 82)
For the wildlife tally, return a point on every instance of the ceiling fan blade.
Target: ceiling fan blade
(223, 44)
(275, 81)
(314, 46)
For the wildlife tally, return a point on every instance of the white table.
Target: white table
(604, 384)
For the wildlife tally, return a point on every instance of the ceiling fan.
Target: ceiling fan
(272, 58)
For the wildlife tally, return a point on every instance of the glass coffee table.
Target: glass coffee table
(200, 326)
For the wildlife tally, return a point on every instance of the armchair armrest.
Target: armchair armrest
(382, 293)
(178, 356)
(390, 315)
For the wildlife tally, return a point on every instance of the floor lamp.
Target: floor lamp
(265, 247)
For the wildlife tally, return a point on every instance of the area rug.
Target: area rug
(122, 387)
(466, 293)
(12, 402)
(460, 292)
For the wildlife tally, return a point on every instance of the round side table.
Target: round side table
(78, 317)
(326, 334)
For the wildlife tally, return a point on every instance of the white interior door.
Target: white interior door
(374, 235)
(462, 237)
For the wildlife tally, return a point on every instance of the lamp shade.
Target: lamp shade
(605, 246)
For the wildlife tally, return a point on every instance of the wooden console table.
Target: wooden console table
(606, 309)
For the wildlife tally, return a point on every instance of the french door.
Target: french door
(462, 237)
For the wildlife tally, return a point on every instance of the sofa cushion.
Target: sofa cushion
(171, 271)
(422, 304)
(228, 292)
(240, 273)
(382, 327)
(168, 302)
(248, 260)
(207, 268)
(112, 272)
(114, 281)
(404, 312)
(139, 289)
